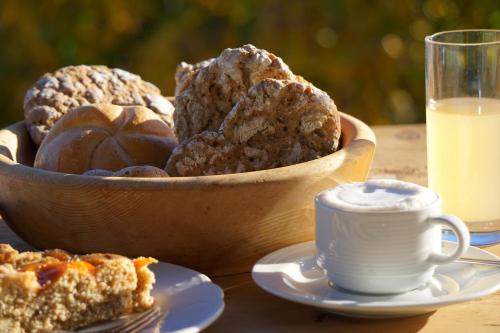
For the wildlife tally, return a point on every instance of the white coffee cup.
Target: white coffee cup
(383, 236)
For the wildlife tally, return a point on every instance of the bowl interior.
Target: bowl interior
(18, 148)
(217, 224)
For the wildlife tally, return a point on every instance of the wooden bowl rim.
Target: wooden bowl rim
(361, 134)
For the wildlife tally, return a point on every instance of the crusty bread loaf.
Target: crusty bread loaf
(277, 123)
(205, 92)
(108, 137)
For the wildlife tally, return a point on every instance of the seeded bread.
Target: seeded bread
(54, 94)
(207, 91)
(278, 123)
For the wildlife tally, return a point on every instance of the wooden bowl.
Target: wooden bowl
(215, 224)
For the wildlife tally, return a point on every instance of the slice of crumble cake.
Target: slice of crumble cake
(54, 290)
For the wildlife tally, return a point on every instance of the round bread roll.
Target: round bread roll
(144, 171)
(55, 94)
(147, 171)
(108, 137)
(98, 173)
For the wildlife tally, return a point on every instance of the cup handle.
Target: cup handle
(463, 237)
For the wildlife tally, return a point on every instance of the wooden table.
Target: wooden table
(400, 154)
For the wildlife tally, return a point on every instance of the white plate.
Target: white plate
(190, 301)
(292, 273)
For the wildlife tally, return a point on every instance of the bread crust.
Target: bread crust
(54, 290)
(55, 94)
(207, 91)
(108, 137)
(141, 171)
(278, 123)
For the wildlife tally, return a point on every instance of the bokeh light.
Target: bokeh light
(393, 45)
(326, 37)
(369, 56)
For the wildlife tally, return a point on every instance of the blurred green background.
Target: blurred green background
(368, 55)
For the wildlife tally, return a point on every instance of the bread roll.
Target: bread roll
(98, 173)
(108, 137)
(57, 93)
(144, 171)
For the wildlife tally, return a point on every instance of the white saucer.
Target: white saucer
(189, 300)
(292, 273)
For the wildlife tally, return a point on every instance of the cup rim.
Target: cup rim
(433, 204)
(430, 39)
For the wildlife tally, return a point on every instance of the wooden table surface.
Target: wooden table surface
(400, 154)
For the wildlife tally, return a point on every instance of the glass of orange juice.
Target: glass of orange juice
(463, 127)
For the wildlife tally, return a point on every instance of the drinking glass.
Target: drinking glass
(462, 76)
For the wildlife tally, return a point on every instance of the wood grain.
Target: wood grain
(216, 224)
(400, 152)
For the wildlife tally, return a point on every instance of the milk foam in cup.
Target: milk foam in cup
(379, 195)
(382, 236)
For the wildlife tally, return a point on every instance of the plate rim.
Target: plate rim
(356, 308)
(207, 321)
